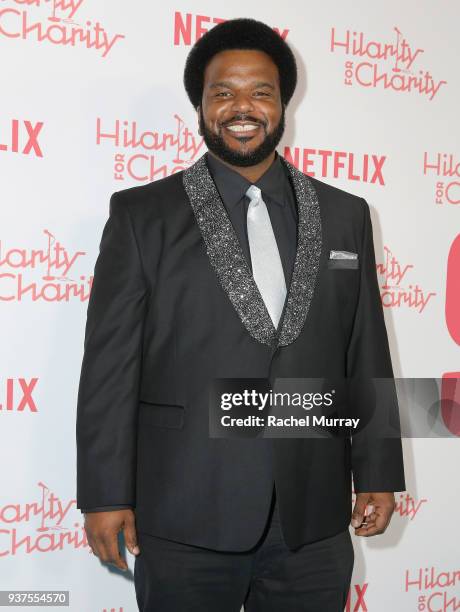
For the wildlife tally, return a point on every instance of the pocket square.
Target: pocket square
(343, 260)
(343, 255)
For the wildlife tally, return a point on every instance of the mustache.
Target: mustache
(243, 118)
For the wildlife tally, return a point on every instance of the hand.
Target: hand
(102, 533)
(377, 521)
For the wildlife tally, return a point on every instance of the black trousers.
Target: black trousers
(174, 577)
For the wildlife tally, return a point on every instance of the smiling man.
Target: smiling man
(238, 267)
(248, 136)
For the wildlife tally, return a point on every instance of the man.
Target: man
(225, 270)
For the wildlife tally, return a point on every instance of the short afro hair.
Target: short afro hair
(241, 33)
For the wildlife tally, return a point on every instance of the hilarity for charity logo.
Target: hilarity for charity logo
(446, 171)
(55, 22)
(19, 280)
(40, 526)
(136, 149)
(390, 64)
(436, 588)
(394, 292)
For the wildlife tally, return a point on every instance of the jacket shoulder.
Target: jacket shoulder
(159, 195)
(340, 206)
(337, 197)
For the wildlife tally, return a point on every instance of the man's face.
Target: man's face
(241, 89)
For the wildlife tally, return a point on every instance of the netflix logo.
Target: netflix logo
(189, 28)
(16, 395)
(324, 163)
(21, 136)
(355, 599)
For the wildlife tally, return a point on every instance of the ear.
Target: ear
(198, 117)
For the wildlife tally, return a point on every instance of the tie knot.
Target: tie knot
(254, 193)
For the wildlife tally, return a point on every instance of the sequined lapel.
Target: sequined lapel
(227, 257)
(308, 254)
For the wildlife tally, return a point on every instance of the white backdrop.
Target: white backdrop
(64, 108)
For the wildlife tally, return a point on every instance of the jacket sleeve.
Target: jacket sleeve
(105, 508)
(107, 404)
(376, 458)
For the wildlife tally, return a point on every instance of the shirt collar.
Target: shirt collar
(232, 186)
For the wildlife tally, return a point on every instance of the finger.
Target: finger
(358, 511)
(369, 513)
(97, 545)
(90, 541)
(129, 531)
(373, 526)
(368, 531)
(110, 553)
(365, 526)
(368, 521)
(93, 546)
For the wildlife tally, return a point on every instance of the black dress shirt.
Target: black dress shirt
(278, 195)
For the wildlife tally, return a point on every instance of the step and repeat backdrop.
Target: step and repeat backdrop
(92, 102)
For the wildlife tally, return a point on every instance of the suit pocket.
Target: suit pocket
(153, 414)
(343, 264)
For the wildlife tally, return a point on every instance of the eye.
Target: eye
(222, 93)
(264, 93)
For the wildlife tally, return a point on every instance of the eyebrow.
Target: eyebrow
(229, 85)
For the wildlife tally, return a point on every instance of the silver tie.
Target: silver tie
(267, 268)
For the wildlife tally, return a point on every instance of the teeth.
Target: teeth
(242, 128)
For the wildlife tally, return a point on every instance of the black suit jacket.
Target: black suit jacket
(173, 306)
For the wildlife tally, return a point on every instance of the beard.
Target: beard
(217, 145)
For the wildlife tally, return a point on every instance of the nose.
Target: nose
(242, 103)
